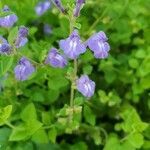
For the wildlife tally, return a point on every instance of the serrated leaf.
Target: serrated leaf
(5, 114)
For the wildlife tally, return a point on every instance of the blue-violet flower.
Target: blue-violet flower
(85, 86)
(5, 48)
(21, 39)
(42, 7)
(99, 45)
(59, 5)
(24, 69)
(8, 20)
(79, 4)
(72, 46)
(55, 59)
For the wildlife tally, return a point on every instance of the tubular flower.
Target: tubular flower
(99, 45)
(59, 5)
(55, 59)
(79, 4)
(24, 69)
(8, 20)
(85, 86)
(42, 7)
(4, 46)
(21, 39)
(72, 46)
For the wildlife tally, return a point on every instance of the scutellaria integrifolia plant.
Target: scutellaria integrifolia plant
(67, 55)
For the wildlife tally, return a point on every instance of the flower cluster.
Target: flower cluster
(73, 47)
(24, 68)
(70, 48)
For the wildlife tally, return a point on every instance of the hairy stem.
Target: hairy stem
(73, 83)
(74, 75)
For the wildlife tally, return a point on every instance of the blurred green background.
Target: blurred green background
(117, 117)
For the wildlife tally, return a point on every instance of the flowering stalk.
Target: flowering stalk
(74, 75)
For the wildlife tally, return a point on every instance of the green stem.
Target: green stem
(9, 125)
(73, 83)
(74, 75)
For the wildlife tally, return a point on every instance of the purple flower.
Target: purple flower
(8, 20)
(21, 39)
(72, 46)
(47, 29)
(85, 86)
(99, 45)
(4, 46)
(59, 5)
(79, 3)
(24, 69)
(55, 59)
(23, 31)
(42, 7)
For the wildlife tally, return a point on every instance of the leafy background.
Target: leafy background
(117, 117)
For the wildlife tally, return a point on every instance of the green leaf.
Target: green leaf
(136, 139)
(78, 101)
(19, 133)
(132, 120)
(25, 131)
(57, 82)
(40, 136)
(133, 63)
(29, 113)
(52, 133)
(89, 115)
(5, 114)
(12, 35)
(5, 64)
(112, 143)
(87, 69)
(140, 53)
(95, 134)
(4, 136)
